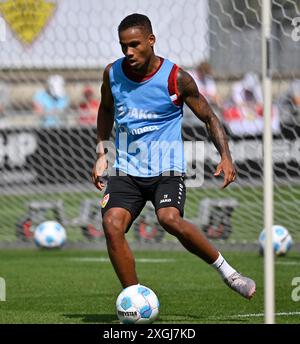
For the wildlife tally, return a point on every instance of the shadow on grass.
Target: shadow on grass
(206, 319)
(175, 319)
(232, 320)
(94, 318)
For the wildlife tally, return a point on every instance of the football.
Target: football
(282, 240)
(137, 304)
(50, 234)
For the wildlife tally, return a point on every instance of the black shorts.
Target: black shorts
(132, 193)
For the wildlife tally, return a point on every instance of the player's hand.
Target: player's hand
(99, 174)
(226, 166)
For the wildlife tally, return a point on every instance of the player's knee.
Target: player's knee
(170, 221)
(113, 227)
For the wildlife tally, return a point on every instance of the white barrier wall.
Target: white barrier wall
(83, 33)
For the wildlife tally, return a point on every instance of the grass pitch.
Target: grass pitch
(66, 286)
(247, 219)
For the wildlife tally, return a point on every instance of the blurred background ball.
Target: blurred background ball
(50, 234)
(282, 240)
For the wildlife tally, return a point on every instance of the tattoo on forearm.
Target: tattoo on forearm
(218, 136)
(198, 104)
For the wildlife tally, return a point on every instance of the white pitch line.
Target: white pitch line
(90, 259)
(262, 314)
(287, 263)
(155, 260)
(107, 260)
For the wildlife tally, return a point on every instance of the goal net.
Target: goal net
(47, 152)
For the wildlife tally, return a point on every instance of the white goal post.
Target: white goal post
(268, 162)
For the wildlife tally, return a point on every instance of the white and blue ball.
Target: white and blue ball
(137, 304)
(282, 240)
(50, 234)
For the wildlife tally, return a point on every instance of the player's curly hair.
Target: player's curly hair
(136, 19)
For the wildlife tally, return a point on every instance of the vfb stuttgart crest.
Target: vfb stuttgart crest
(105, 200)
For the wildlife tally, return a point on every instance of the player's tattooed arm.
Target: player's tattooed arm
(105, 121)
(188, 90)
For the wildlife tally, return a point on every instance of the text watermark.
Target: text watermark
(2, 30)
(296, 291)
(160, 157)
(2, 289)
(296, 31)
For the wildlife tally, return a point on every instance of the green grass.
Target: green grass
(13, 208)
(247, 218)
(56, 287)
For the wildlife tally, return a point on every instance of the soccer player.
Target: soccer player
(143, 95)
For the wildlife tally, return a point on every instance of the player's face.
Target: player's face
(137, 46)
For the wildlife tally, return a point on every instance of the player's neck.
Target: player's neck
(150, 67)
(144, 73)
